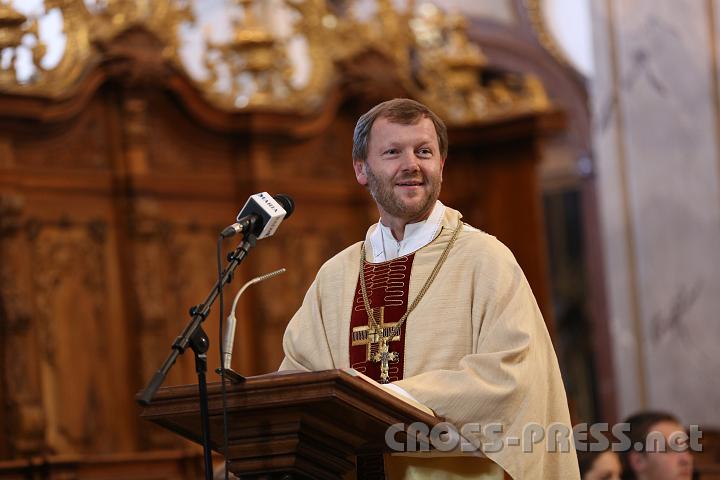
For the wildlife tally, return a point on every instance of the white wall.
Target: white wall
(656, 120)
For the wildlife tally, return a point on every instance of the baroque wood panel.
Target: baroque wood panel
(21, 396)
(112, 200)
(75, 338)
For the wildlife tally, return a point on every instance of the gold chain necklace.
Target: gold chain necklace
(383, 355)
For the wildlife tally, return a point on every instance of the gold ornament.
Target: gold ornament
(428, 53)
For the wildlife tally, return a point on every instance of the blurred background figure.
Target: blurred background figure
(600, 465)
(656, 459)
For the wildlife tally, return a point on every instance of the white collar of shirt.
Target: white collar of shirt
(417, 235)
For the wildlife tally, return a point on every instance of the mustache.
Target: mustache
(410, 178)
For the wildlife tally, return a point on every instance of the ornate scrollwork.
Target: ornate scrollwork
(252, 52)
(13, 27)
(84, 31)
(534, 9)
(262, 66)
(450, 65)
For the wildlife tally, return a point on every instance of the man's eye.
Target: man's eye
(425, 152)
(391, 151)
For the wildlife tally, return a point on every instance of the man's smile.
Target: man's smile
(409, 183)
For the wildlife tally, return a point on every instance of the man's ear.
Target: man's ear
(360, 173)
(638, 462)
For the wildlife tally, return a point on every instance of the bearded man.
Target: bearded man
(434, 309)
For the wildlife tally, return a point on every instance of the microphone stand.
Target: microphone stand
(194, 336)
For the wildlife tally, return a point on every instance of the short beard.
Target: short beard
(391, 203)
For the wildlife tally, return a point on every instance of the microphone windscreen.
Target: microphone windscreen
(287, 203)
(267, 212)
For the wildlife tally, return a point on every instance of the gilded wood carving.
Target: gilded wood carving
(260, 65)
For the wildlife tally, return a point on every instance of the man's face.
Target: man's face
(667, 464)
(403, 169)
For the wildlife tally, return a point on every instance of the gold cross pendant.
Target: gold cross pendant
(385, 357)
(373, 333)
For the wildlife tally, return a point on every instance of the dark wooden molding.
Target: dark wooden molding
(307, 424)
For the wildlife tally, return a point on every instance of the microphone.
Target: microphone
(229, 337)
(261, 215)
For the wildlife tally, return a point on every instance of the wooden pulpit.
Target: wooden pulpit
(317, 425)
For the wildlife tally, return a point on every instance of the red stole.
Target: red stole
(387, 289)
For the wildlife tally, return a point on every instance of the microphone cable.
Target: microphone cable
(222, 363)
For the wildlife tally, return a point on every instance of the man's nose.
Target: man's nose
(410, 161)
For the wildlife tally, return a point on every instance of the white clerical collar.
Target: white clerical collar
(417, 235)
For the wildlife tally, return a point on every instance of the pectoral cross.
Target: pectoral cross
(375, 335)
(385, 357)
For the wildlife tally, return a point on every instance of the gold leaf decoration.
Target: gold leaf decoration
(428, 51)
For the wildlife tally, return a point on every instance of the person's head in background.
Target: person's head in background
(599, 465)
(664, 454)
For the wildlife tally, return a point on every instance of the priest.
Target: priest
(436, 310)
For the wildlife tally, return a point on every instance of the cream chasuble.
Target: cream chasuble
(476, 350)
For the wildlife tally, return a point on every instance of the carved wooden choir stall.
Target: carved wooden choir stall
(119, 166)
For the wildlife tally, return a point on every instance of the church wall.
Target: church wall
(655, 101)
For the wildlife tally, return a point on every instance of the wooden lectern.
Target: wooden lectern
(317, 425)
